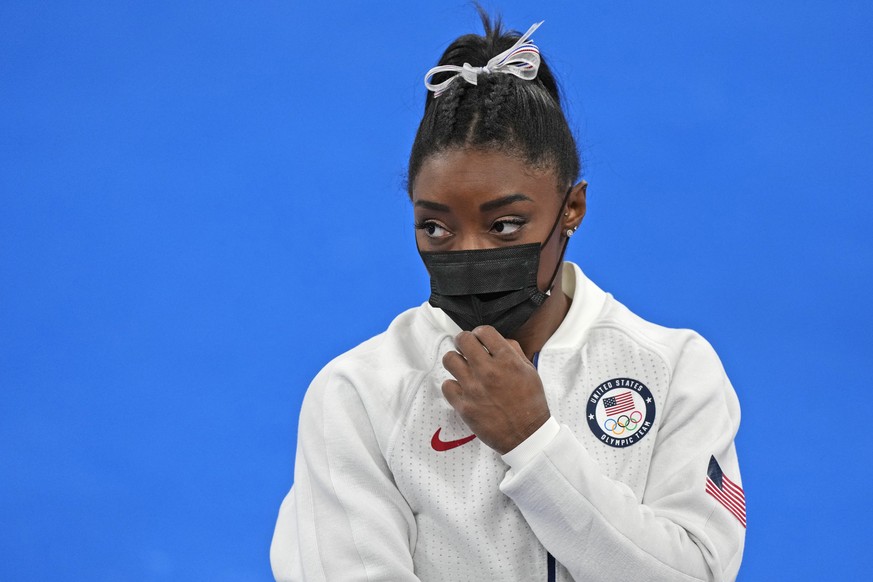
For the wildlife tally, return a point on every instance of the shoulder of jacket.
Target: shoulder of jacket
(671, 344)
(384, 369)
(697, 379)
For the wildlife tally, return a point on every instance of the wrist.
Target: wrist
(521, 454)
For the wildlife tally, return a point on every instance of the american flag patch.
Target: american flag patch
(619, 403)
(725, 491)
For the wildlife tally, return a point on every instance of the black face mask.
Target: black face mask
(496, 287)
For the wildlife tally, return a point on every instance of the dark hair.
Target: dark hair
(501, 112)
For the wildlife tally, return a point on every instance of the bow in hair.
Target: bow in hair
(521, 59)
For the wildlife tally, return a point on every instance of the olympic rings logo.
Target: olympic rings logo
(623, 423)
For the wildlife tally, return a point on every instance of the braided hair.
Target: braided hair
(502, 112)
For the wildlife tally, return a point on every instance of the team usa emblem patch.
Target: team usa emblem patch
(620, 412)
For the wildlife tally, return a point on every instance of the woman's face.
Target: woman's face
(468, 199)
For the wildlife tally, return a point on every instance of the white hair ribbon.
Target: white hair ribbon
(521, 59)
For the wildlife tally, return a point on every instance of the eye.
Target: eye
(506, 226)
(432, 229)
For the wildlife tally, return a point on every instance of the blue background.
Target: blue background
(201, 203)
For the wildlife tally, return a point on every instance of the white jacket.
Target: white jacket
(614, 486)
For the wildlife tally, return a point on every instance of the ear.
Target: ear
(574, 211)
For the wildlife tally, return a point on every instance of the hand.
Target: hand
(496, 390)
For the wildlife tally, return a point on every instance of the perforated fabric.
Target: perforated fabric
(377, 487)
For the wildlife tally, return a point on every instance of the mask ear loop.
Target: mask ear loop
(563, 249)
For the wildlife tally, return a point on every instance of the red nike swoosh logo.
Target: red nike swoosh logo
(440, 445)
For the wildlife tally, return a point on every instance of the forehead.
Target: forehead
(473, 174)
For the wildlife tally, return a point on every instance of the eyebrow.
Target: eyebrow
(503, 201)
(484, 207)
(432, 205)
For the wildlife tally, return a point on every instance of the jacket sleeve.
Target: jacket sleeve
(677, 531)
(344, 518)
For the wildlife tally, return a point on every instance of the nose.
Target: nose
(473, 241)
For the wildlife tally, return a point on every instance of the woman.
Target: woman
(522, 424)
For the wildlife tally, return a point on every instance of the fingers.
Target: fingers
(490, 338)
(478, 352)
(471, 347)
(456, 365)
(516, 347)
(452, 393)
(497, 345)
(485, 336)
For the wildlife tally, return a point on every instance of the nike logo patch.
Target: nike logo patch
(440, 445)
